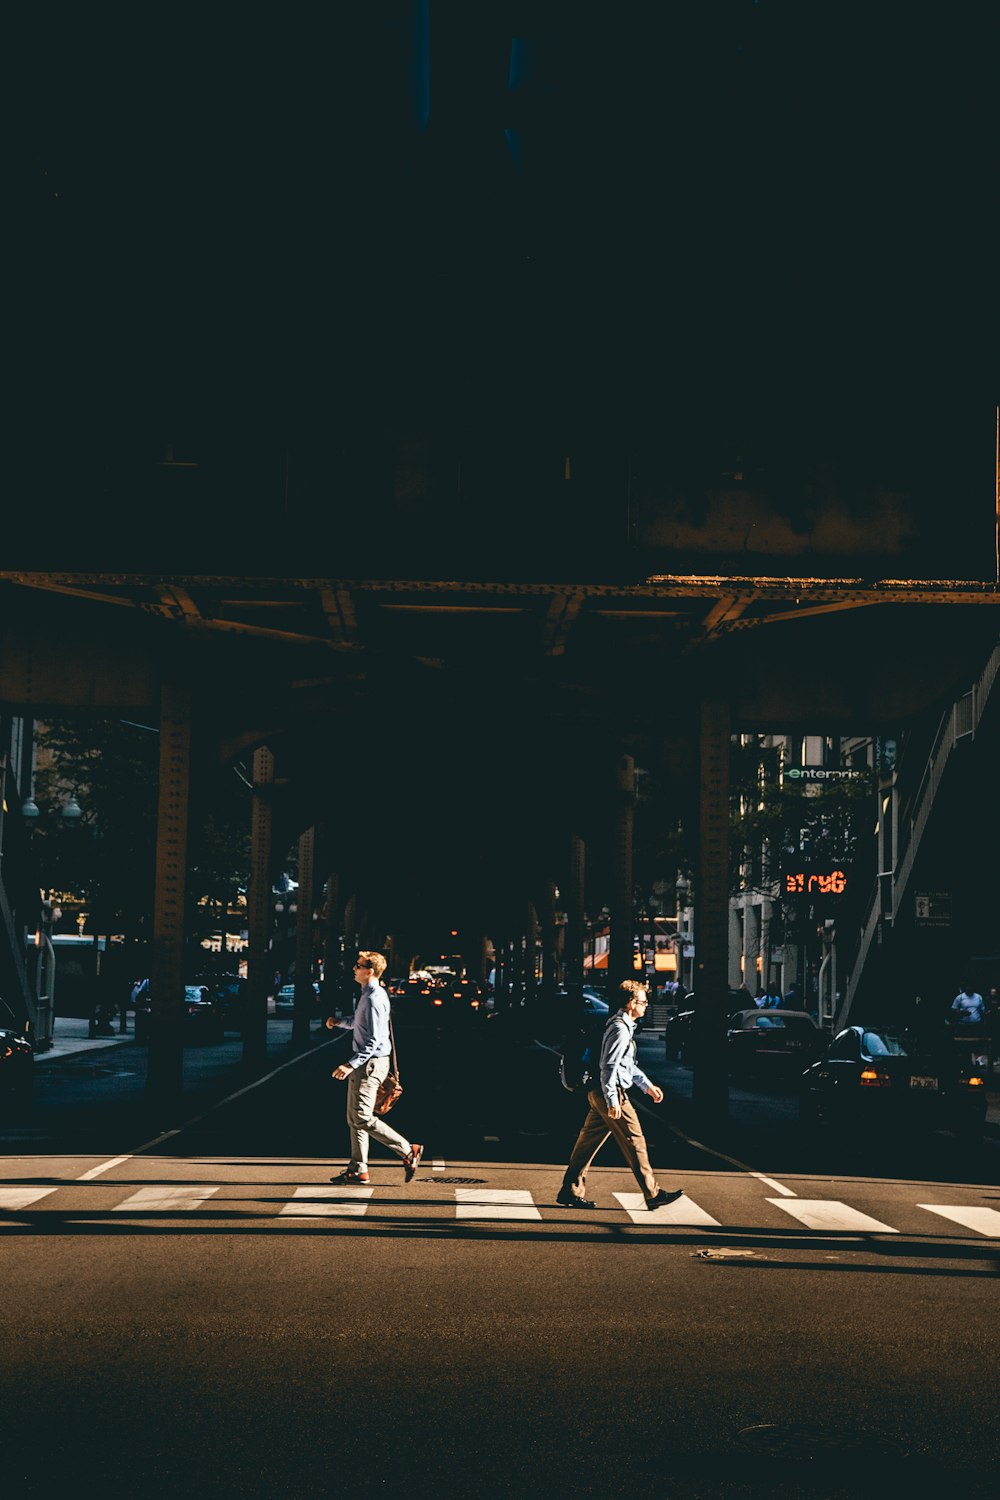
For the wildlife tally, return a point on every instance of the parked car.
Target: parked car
(594, 1003)
(772, 1043)
(285, 997)
(677, 1035)
(201, 1017)
(881, 1078)
(228, 992)
(17, 1060)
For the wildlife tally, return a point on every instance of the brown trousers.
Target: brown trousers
(594, 1132)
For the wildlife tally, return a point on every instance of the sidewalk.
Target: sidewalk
(72, 1034)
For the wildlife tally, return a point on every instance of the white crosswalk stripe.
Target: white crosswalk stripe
(828, 1213)
(982, 1220)
(347, 1202)
(165, 1196)
(342, 1201)
(684, 1212)
(13, 1199)
(494, 1203)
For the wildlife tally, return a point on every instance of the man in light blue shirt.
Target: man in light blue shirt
(364, 1070)
(612, 1111)
(967, 1007)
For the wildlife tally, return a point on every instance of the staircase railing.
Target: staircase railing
(957, 723)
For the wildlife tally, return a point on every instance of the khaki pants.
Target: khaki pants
(594, 1132)
(362, 1089)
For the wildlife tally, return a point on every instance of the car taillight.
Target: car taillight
(872, 1080)
(975, 1082)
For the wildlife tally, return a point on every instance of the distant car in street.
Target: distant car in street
(594, 1003)
(766, 1043)
(873, 1077)
(17, 1060)
(677, 1035)
(201, 1017)
(228, 992)
(440, 1000)
(285, 997)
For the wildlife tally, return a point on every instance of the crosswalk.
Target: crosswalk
(287, 1204)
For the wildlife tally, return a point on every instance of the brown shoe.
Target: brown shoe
(412, 1162)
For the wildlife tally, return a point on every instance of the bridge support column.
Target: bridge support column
(260, 965)
(305, 995)
(573, 954)
(164, 1074)
(622, 927)
(332, 958)
(710, 1087)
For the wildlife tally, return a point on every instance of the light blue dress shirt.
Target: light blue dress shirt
(371, 1025)
(619, 1069)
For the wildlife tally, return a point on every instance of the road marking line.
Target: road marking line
(779, 1187)
(12, 1199)
(106, 1166)
(681, 1212)
(823, 1213)
(982, 1220)
(165, 1196)
(494, 1203)
(732, 1161)
(438, 1164)
(347, 1202)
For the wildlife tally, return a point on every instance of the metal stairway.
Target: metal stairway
(958, 724)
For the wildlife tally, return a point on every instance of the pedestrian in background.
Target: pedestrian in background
(968, 1007)
(612, 1112)
(365, 1069)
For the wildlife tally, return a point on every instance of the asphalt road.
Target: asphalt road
(202, 1314)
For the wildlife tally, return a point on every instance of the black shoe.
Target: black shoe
(351, 1174)
(663, 1198)
(567, 1199)
(412, 1162)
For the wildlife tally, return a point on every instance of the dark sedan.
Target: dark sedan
(766, 1043)
(17, 1060)
(201, 1017)
(871, 1076)
(440, 1001)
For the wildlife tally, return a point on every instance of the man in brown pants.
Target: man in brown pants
(613, 1113)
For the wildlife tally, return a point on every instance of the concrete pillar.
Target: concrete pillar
(331, 944)
(575, 914)
(305, 998)
(622, 927)
(164, 1075)
(736, 946)
(710, 1087)
(260, 962)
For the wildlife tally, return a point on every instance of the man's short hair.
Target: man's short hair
(630, 988)
(374, 961)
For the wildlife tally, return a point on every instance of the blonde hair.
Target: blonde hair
(374, 961)
(630, 988)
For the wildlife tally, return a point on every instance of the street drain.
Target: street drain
(475, 1181)
(721, 1253)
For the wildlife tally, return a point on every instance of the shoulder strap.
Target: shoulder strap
(394, 1065)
